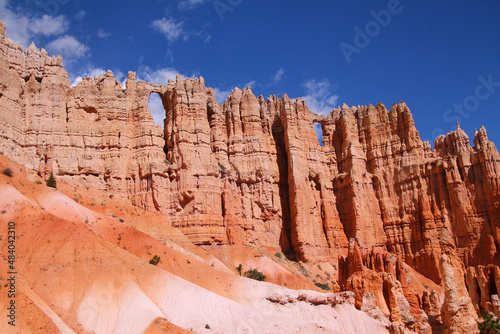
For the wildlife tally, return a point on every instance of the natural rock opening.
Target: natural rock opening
(157, 109)
(159, 113)
(318, 128)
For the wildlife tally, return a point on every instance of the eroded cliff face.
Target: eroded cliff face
(374, 200)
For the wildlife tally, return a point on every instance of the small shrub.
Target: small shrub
(38, 182)
(51, 182)
(222, 167)
(319, 267)
(8, 172)
(278, 255)
(489, 324)
(323, 286)
(207, 326)
(255, 274)
(155, 260)
(239, 268)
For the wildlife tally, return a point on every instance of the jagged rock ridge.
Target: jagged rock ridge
(251, 171)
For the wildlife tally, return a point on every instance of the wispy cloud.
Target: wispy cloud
(102, 34)
(158, 77)
(207, 39)
(319, 97)
(250, 83)
(80, 15)
(120, 76)
(221, 95)
(49, 25)
(90, 72)
(69, 47)
(202, 33)
(190, 4)
(277, 77)
(171, 28)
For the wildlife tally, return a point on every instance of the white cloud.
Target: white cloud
(207, 39)
(319, 97)
(103, 34)
(221, 95)
(169, 56)
(49, 25)
(119, 75)
(202, 33)
(17, 25)
(69, 47)
(90, 72)
(22, 28)
(80, 15)
(250, 83)
(171, 28)
(158, 77)
(277, 77)
(190, 4)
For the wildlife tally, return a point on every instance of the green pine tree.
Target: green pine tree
(155, 260)
(489, 325)
(51, 182)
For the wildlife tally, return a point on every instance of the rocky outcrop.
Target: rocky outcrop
(381, 287)
(483, 283)
(458, 312)
(251, 171)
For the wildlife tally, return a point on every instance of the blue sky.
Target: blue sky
(441, 57)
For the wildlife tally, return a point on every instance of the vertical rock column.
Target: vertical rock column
(458, 312)
(253, 209)
(357, 202)
(315, 226)
(199, 188)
